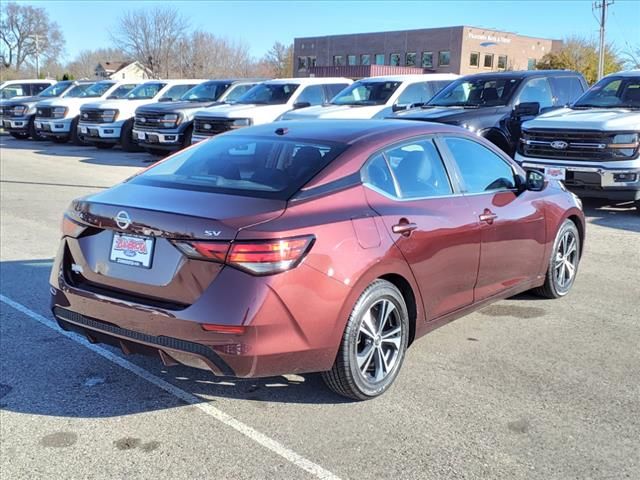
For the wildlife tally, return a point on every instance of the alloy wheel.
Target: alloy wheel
(565, 261)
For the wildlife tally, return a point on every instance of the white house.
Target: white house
(122, 71)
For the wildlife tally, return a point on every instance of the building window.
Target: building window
(365, 59)
(338, 60)
(427, 59)
(444, 58)
(302, 63)
(311, 61)
(502, 62)
(488, 60)
(411, 59)
(352, 60)
(474, 59)
(379, 58)
(531, 64)
(394, 59)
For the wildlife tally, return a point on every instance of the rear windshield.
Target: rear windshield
(243, 165)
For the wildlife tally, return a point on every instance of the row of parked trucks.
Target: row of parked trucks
(546, 119)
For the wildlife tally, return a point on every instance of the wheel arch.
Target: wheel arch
(409, 296)
(499, 139)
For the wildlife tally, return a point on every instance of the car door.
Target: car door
(512, 223)
(409, 187)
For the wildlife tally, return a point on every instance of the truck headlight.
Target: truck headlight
(170, 119)
(242, 122)
(109, 116)
(59, 112)
(19, 110)
(624, 145)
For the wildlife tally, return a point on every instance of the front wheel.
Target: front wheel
(373, 345)
(563, 264)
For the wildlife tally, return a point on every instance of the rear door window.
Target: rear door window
(566, 89)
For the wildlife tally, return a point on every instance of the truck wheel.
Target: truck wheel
(563, 264)
(126, 138)
(73, 135)
(373, 344)
(32, 131)
(186, 139)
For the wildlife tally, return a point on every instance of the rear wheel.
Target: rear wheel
(126, 138)
(373, 345)
(563, 264)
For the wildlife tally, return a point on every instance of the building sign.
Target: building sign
(489, 38)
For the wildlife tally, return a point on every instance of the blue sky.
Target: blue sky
(86, 24)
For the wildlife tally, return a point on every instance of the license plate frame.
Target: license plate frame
(132, 250)
(557, 173)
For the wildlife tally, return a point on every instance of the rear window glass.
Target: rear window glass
(242, 165)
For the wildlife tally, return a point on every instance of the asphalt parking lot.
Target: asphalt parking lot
(524, 389)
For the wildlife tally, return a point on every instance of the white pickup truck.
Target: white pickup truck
(265, 103)
(57, 119)
(593, 144)
(110, 122)
(377, 97)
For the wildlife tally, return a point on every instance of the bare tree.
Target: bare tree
(84, 64)
(203, 55)
(151, 36)
(280, 59)
(632, 58)
(27, 35)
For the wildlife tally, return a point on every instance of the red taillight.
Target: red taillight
(232, 329)
(70, 228)
(260, 257)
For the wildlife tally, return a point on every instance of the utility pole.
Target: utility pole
(602, 5)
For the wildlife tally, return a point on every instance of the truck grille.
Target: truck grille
(149, 121)
(44, 112)
(92, 116)
(212, 126)
(567, 145)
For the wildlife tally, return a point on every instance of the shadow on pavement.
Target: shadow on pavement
(43, 373)
(623, 216)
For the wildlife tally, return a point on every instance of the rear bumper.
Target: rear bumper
(618, 180)
(59, 128)
(100, 132)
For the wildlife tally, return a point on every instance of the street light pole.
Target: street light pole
(602, 4)
(37, 57)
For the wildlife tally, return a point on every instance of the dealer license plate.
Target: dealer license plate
(132, 250)
(555, 172)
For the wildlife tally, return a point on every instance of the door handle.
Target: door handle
(488, 216)
(404, 228)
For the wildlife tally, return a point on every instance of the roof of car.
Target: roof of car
(628, 73)
(521, 74)
(342, 131)
(310, 80)
(416, 77)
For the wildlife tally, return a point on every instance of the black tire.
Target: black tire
(19, 135)
(346, 377)
(637, 207)
(553, 288)
(32, 131)
(104, 145)
(186, 139)
(126, 138)
(74, 138)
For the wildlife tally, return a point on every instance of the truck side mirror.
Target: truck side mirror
(526, 109)
(298, 105)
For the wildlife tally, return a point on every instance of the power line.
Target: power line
(601, 5)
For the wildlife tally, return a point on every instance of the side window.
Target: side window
(174, 93)
(416, 171)
(334, 88)
(566, 89)
(536, 90)
(37, 88)
(480, 168)
(314, 94)
(415, 93)
(122, 91)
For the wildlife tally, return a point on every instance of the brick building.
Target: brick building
(462, 50)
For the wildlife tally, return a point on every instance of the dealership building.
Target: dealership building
(462, 50)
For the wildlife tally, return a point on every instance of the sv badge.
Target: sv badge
(212, 233)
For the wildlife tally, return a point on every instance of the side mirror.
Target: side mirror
(534, 181)
(397, 107)
(298, 105)
(166, 99)
(527, 109)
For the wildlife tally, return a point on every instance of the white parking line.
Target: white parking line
(246, 430)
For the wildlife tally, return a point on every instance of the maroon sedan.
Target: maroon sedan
(311, 247)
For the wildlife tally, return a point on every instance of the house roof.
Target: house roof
(112, 66)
